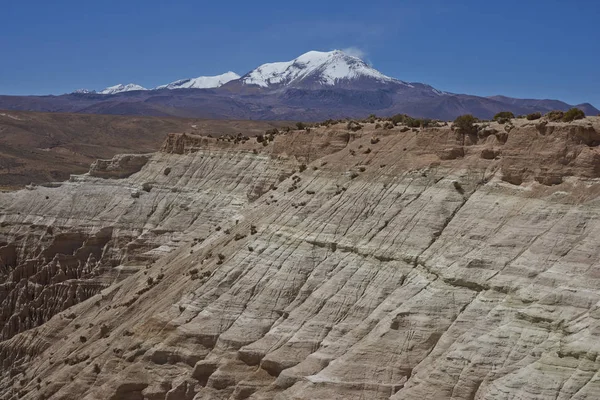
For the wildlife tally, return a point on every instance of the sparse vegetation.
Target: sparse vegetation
(534, 116)
(573, 114)
(466, 124)
(398, 118)
(503, 116)
(410, 121)
(354, 126)
(555, 115)
(300, 126)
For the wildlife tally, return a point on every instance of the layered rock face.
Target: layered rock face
(323, 264)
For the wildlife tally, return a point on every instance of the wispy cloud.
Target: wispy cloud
(355, 52)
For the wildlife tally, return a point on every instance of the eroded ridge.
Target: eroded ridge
(325, 264)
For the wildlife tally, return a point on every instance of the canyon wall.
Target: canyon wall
(376, 264)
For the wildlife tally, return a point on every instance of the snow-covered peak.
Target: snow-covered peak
(202, 82)
(121, 88)
(324, 68)
(84, 91)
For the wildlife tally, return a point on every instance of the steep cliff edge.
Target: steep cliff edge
(322, 264)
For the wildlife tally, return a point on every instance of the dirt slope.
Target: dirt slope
(43, 147)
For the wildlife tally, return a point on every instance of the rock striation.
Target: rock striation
(375, 264)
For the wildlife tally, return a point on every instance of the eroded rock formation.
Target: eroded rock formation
(376, 264)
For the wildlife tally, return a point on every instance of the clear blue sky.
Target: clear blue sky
(525, 48)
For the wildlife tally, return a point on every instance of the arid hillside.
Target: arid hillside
(43, 147)
(340, 262)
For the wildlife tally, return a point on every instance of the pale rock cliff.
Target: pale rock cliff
(371, 265)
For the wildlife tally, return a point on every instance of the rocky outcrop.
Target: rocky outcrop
(378, 270)
(120, 166)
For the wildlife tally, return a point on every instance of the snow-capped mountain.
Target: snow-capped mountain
(120, 88)
(202, 82)
(316, 68)
(84, 91)
(314, 86)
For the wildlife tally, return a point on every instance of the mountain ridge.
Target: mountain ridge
(313, 86)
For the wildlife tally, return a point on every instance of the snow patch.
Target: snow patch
(202, 82)
(120, 88)
(84, 91)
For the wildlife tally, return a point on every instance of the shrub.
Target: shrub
(300, 126)
(425, 122)
(555, 115)
(534, 116)
(354, 126)
(302, 167)
(399, 118)
(466, 124)
(412, 122)
(503, 115)
(573, 114)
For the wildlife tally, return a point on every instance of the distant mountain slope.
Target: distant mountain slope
(313, 86)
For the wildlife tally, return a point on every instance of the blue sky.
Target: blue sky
(535, 48)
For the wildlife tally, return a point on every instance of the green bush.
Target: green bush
(503, 115)
(534, 116)
(412, 122)
(555, 115)
(300, 126)
(466, 124)
(399, 118)
(573, 114)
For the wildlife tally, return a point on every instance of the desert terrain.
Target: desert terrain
(44, 147)
(344, 261)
